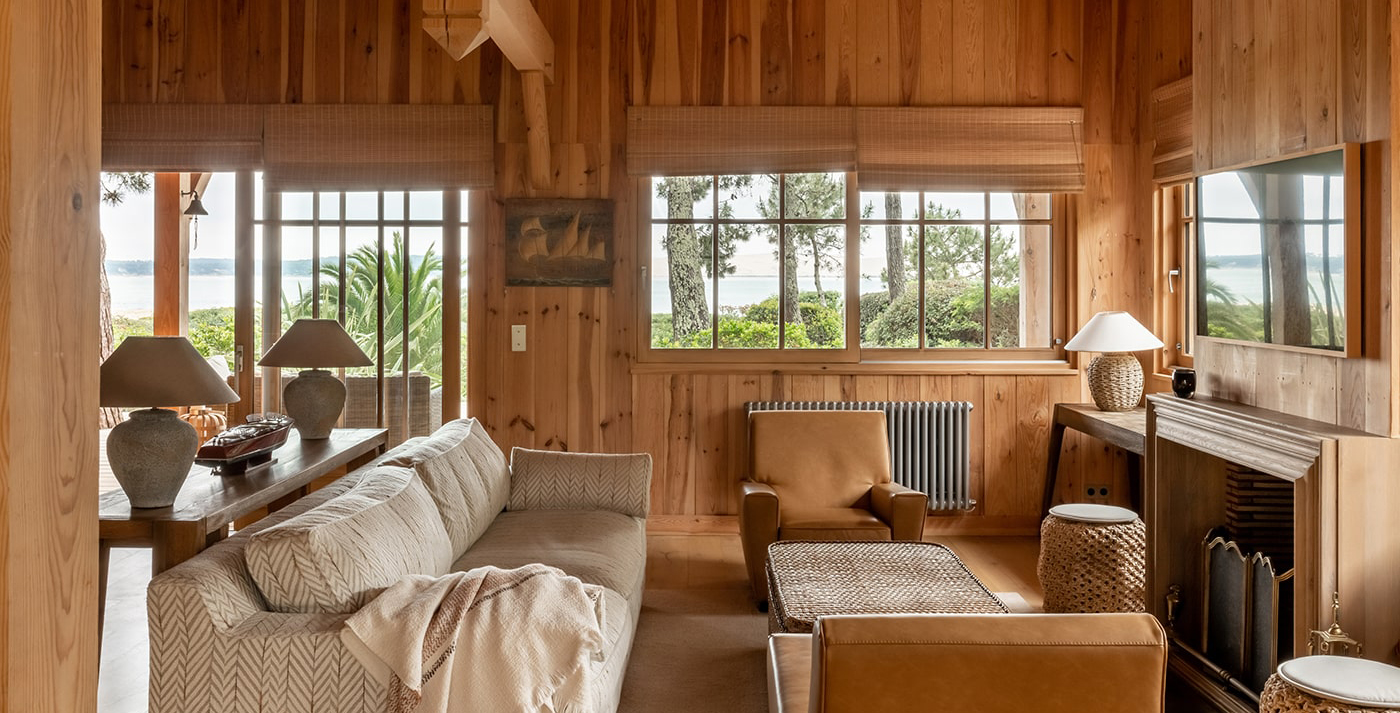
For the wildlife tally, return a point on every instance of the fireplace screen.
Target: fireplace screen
(1248, 577)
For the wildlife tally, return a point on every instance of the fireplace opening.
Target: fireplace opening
(1247, 578)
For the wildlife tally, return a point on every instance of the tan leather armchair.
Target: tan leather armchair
(989, 663)
(821, 475)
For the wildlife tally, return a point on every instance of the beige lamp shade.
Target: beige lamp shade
(315, 344)
(160, 371)
(1113, 332)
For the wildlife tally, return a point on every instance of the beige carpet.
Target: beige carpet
(697, 651)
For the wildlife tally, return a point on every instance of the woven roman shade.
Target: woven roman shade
(701, 140)
(1173, 157)
(372, 147)
(1022, 149)
(181, 137)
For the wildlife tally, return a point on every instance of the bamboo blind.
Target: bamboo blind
(1173, 157)
(182, 137)
(701, 140)
(371, 147)
(1023, 149)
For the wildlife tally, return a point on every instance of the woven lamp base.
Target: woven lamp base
(1115, 381)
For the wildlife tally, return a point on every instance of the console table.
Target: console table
(208, 503)
(1124, 429)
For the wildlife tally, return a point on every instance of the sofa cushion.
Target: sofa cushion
(340, 554)
(551, 480)
(465, 473)
(597, 546)
(831, 524)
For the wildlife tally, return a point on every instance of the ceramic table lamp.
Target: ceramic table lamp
(1115, 376)
(151, 452)
(315, 398)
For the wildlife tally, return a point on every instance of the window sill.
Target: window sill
(971, 368)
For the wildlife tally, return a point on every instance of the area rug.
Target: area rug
(697, 651)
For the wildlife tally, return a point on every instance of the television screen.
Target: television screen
(1272, 253)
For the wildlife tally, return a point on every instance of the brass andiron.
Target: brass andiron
(1334, 641)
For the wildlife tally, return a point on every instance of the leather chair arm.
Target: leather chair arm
(902, 508)
(758, 528)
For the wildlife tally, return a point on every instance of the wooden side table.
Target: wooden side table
(1124, 429)
(208, 503)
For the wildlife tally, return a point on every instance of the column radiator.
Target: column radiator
(929, 448)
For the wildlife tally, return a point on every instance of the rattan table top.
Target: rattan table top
(808, 579)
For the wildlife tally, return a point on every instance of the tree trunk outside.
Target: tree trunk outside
(791, 314)
(690, 311)
(817, 265)
(894, 248)
(107, 417)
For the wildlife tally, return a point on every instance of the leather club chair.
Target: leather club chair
(989, 663)
(821, 475)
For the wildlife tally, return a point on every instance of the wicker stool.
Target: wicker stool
(1093, 559)
(1332, 684)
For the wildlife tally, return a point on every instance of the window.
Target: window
(759, 266)
(749, 262)
(1176, 226)
(955, 270)
(375, 261)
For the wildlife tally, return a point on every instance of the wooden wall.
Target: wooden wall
(578, 385)
(1277, 77)
(49, 149)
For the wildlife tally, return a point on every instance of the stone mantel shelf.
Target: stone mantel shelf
(1270, 441)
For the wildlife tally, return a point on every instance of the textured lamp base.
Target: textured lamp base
(314, 400)
(1115, 381)
(151, 453)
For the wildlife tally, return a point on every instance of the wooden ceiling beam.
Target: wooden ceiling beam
(460, 26)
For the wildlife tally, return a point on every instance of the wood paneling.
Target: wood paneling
(1277, 77)
(49, 161)
(575, 387)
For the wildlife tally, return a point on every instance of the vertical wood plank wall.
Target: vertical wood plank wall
(1277, 77)
(49, 151)
(575, 388)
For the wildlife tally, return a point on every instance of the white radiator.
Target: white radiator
(929, 449)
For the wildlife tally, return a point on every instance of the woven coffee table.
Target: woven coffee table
(809, 579)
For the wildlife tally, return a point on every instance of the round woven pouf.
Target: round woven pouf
(1093, 559)
(1332, 684)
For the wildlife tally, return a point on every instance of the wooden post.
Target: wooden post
(451, 305)
(172, 255)
(537, 130)
(50, 145)
(245, 356)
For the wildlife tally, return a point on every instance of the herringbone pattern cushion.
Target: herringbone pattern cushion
(465, 473)
(550, 480)
(337, 556)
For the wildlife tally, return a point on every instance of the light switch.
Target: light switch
(517, 337)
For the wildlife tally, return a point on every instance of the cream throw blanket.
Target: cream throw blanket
(484, 640)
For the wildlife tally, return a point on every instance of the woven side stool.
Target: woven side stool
(1332, 684)
(1093, 559)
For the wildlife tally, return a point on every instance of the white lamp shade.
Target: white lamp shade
(1113, 332)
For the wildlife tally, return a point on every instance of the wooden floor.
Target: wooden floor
(674, 561)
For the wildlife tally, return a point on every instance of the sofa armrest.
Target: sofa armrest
(551, 480)
(963, 661)
(214, 648)
(758, 528)
(903, 509)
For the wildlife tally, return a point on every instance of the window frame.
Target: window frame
(853, 352)
(455, 229)
(1174, 208)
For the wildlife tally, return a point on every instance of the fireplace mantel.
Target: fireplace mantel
(1346, 486)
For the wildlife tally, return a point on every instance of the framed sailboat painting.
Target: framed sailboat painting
(559, 242)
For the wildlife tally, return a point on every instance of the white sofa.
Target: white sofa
(253, 623)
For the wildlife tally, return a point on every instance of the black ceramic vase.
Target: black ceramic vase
(1183, 382)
